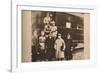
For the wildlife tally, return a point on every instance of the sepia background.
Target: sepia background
(32, 19)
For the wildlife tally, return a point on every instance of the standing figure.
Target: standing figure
(47, 19)
(53, 29)
(59, 48)
(68, 53)
(50, 48)
(47, 29)
(34, 46)
(42, 49)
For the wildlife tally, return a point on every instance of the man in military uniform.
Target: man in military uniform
(47, 29)
(68, 52)
(59, 48)
(47, 19)
(50, 48)
(42, 49)
(53, 29)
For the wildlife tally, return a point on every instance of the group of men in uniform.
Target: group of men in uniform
(51, 45)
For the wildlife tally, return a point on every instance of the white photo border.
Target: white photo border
(18, 66)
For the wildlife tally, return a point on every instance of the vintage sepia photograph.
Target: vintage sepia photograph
(54, 36)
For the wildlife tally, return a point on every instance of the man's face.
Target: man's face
(47, 14)
(53, 24)
(59, 36)
(50, 36)
(51, 15)
(42, 33)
